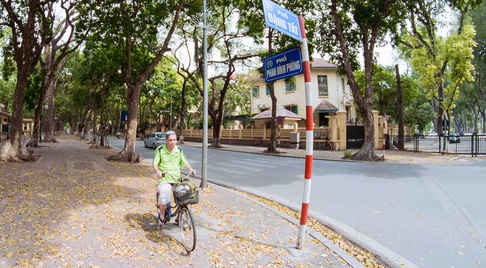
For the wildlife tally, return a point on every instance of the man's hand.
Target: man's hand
(159, 173)
(192, 172)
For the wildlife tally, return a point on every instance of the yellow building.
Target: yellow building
(27, 125)
(330, 93)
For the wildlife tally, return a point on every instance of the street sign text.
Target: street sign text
(283, 65)
(281, 19)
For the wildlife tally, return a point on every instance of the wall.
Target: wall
(329, 138)
(337, 95)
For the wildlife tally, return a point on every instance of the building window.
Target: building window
(293, 108)
(290, 84)
(322, 85)
(256, 92)
(267, 89)
(343, 85)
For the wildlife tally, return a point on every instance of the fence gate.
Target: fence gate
(355, 137)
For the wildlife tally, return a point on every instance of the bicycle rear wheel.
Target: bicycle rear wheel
(187, 228)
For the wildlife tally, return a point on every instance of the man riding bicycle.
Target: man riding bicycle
(168, 158)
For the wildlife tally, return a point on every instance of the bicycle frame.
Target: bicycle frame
(183, 217)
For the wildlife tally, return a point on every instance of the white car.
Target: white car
(155, 139)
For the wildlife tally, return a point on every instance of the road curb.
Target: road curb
(328, 243)
(384, 254)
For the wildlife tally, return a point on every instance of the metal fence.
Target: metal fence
(466, 144)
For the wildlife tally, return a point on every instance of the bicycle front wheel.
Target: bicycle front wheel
(187, 228)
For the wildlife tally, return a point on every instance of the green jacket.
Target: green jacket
(170, 163)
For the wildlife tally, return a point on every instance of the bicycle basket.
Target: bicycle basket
(185, 193)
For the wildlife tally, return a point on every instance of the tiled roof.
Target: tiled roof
(321, 63)
(280, 112)
(325, 106)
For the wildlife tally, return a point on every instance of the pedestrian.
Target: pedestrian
(168, 158)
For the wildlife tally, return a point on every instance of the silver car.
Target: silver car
(154, 139)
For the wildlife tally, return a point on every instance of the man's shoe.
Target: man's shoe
(160, 221)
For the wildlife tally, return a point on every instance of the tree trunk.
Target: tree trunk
(131, 137)
(401, 120)
(94, 127)
(34, 139)
(49, 120)
(365, 103)
(86, 122)
(128, 152)
(483, 121)
(182, 125)
(272, 147)
(216, 140)
(14, 149)
(367, 151)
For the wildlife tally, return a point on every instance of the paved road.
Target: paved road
(423, 215)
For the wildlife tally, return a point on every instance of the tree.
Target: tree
(161, 93)
(253, 18)
(7, 76)
(238, 101)
(7, 85)
(232, 45)
(29, 26)
(417, 108)
(441, 63)
(133, 28)
(55, 52)
(479, 20)
(350, 26)
(468, 109)
(189, 91)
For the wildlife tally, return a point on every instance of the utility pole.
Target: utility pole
(205, 104)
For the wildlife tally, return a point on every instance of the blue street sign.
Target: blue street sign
(283, 65)
(124, 116)
(281, 19)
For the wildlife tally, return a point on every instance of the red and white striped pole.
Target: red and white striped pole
(309, 135)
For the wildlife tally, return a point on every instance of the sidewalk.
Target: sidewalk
(72, 208)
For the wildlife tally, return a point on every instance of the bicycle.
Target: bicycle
(183, 214)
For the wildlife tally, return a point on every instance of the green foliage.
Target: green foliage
(252, 18)
(442, 63)
(7, 89)
(238, 101)
(357, 19)
(478, 91)
(33, 89)
(161, 92)
(114, 20)
(456, 50)
(468, 103)
(466, 4)
(8, 66)
(417, 108)
(348, 154)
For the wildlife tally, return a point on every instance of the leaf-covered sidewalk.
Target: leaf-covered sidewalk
(72, 208)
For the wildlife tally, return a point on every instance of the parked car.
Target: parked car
(454, 138)
(154, 139)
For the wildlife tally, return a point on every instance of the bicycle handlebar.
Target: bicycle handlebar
(182, 178)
